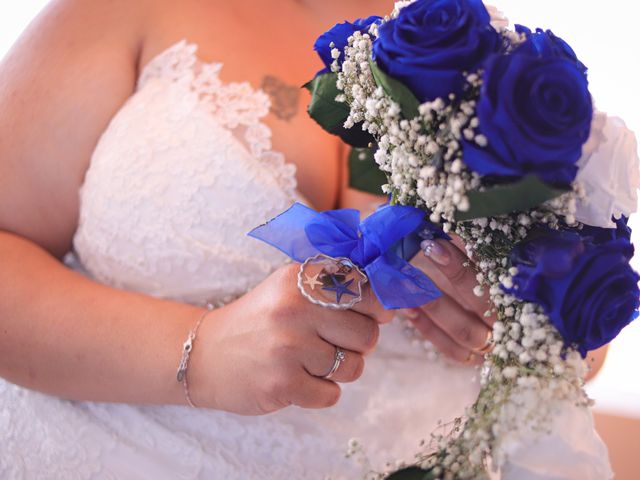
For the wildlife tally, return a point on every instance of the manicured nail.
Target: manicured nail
(436, 252)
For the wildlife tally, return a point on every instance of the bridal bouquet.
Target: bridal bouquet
(493, 134)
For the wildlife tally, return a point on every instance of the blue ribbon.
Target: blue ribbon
(380, 245)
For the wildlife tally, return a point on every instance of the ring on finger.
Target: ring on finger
(339, 357)
(335, 283)
(488, 345)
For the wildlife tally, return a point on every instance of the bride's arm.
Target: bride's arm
(65, 335)
(59, 87)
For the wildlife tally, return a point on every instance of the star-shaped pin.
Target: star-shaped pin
(312, 281)
(340, 288)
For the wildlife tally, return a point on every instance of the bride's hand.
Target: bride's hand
(455, 323)
(267, 350)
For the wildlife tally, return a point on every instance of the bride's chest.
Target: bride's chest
(184, 170)
(277, 58)
(195, 160)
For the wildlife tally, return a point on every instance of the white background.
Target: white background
(604, 35)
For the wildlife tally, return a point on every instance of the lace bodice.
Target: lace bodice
(184, 170)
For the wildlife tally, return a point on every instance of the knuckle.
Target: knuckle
(371, 307)
(432, 306)
(367, 295)
(281, 314)
(265, 406)
(282, 345)
(288, 272)
(273, 399)
(457, 274)
(283, 282)
(464, 334)
(276, 387)
(426, 327)
(272, 320)
(283, 310)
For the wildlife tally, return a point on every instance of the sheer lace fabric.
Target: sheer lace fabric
(182, 173)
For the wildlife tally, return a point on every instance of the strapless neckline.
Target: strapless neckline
(186, 53)
(183, 171)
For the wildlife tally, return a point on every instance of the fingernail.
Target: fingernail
(436, 252)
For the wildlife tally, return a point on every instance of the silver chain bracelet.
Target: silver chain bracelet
(187, 347)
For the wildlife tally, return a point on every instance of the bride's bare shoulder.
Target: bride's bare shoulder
(60, 85)
(110, 17)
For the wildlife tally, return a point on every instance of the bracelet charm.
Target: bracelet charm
(187, 347)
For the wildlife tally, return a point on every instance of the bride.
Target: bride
(140, 142)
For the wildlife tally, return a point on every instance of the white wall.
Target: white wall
(604, 35)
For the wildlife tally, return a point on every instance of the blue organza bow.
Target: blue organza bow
(380, 245)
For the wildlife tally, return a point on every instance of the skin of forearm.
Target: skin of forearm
(65, 335)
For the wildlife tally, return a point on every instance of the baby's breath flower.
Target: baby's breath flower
(423, 160)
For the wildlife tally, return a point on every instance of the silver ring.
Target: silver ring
(338, 359)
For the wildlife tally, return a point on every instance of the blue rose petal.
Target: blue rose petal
(546, 43)
(535, 110)
(339, 35)
(589, 290)
(431, 42)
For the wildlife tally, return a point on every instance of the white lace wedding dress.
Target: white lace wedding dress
(181, 174)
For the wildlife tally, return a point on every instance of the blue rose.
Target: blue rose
(545, 43)
(535, 110)
(603, 235)
(339, 35)
(589, 291)
(431, 42)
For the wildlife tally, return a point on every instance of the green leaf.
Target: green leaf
(411, 473)
(330, 114)
(364, 173)
(398, 92)
(515, 197)
(323, 108)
